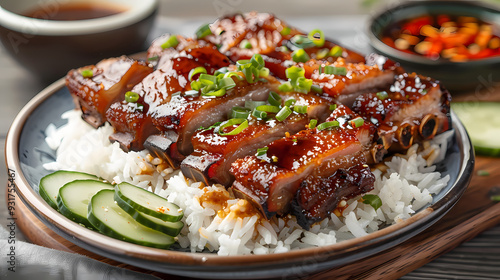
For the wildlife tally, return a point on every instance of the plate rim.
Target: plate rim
(177, 262)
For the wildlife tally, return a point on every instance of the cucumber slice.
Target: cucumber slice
(148, 203)
(482, 121)
(74, 197)
(105, 215)
(170, 228)
(50, 184)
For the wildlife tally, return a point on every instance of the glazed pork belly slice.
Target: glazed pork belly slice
(271, 182)
(413, 109)
(134, 125)
(214, 153)
(359, 78)
(319, 196)
(263, 32)
(110, 79)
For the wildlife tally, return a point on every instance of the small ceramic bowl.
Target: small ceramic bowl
(456, 76)
(49, 48)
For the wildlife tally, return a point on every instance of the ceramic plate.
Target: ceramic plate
(26, 151)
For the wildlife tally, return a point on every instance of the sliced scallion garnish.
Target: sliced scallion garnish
(251, 104)
(319, 42)
(373, 200)
(171, 42)
(303, 85)
(285, 87)
(195, 71)
(268, 108)
(357, 122)
(294, 72)
(382, 95)
(274, 99)
(226, 83)
(335, 70)
(131, 97)
(239, 113)
(336, 51)
(312, 123)
(259, 114)
(290, 102)
(301, 109)
(333, 107)
(261, 151)
(302, 41)
(328, 125)
(285, 31)
(300, 55)
(87, 73)
(283, 113)
(322, 53)
(316, 89)
(217, 93)
(203, 31)
(242, 124)
(245, 44)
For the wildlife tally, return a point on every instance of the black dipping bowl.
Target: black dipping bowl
(456, 76)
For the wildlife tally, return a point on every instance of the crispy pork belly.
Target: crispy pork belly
(266, 35)
(214, 153)
(110, 79)
(414, 108)
(318, 197)
(271, 182)
(163, 86)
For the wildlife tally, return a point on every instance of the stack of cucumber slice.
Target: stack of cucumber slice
(124, 211)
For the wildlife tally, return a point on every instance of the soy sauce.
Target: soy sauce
(74, 11)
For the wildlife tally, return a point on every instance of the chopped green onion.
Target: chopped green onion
(206, 79)
(226, 83)
(335, 70)
(203, 31)
(131, 97)
(300, 55)
(294, 72)
(239, 112)
(264, 72)
(316, 89)
(290, 102)
(153, 58)
(195, 71)
(222, 70)
(196, 85)
(171, 42)
(303, 85)
(242, 124)
(218, 93)
(285, 31)
(282, 49)
(301, 109)
(257, 61)
(139, 106)
(319, 42)
(382, 95)
(232, 74)
(373, 200)
(285, 87)
(312, 123)
(357, 122)
(87, 73)
(302, 41)
(259, 114)
(215, 125)
(251, 104)
(245, 44)
(495, 197)
(327, 125)
(333, 107)
(336, 51)
(268, 108)
(322, 53)
(283, 113)
(274, 99)
(261, 151)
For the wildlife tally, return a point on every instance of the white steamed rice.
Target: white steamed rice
(406, 185)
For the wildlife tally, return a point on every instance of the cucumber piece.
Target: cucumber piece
(50, 184)
(482, 121)
(170, 228)
(74, 197)
(105, 215)
(148, 203)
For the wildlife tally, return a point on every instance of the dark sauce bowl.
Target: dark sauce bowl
(49, 48)
(456, 76)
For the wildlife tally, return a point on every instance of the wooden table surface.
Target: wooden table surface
(477, 258)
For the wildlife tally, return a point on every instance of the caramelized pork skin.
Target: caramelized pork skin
(413, 109)
(272, 182)
(267, 35)
(214, 153)
(108, 82)
(317, 197)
